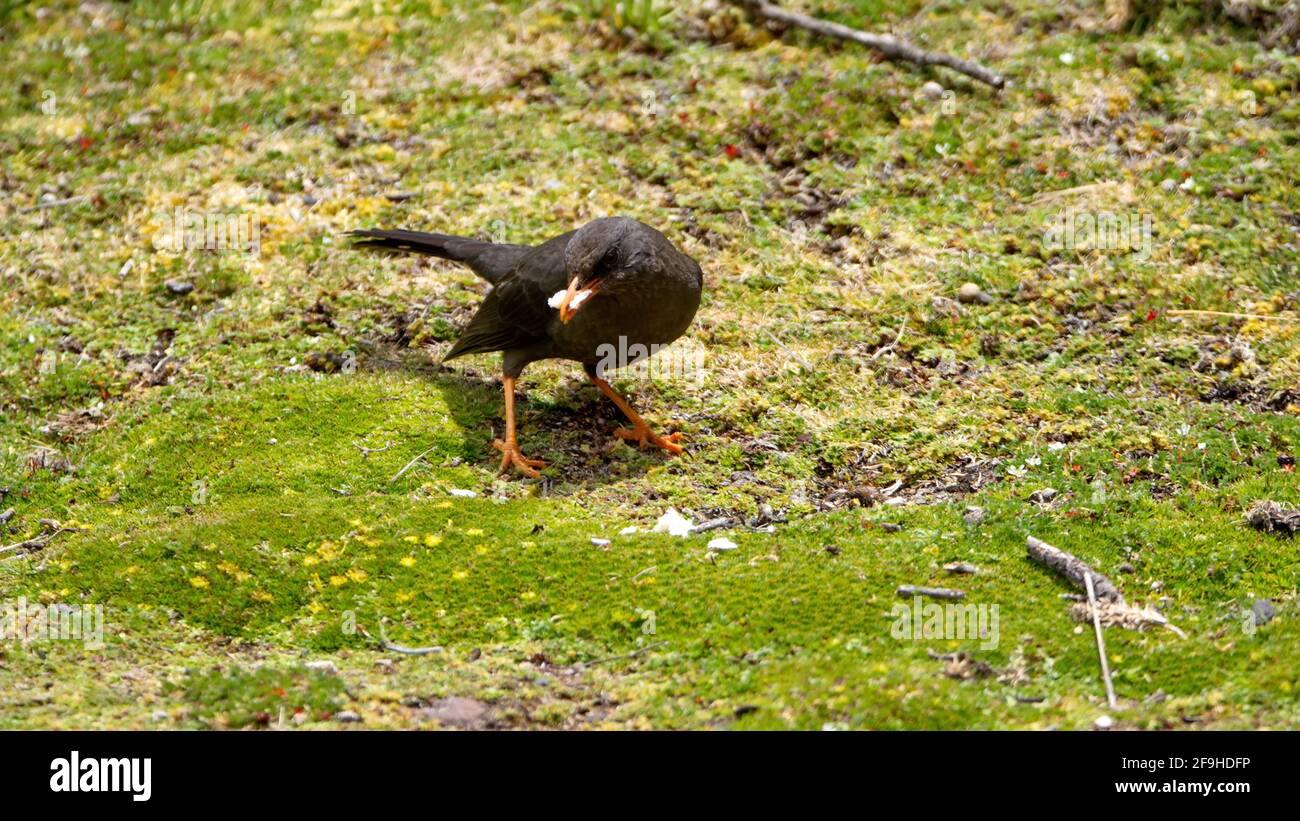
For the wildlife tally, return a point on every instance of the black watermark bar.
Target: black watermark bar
(163, 771)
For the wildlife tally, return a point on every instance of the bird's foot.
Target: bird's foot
(511, 456)
(642, 435)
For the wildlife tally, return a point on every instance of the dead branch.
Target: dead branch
(714, 524)
(1072, 568)
(365, 451)
(930, 592)
(1101, 642)
(35, 543)
(410, 465)
(891, 47)
(398, 648)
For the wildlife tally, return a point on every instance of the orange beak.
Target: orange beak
(566, 306)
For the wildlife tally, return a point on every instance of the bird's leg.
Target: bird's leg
(640, 432)
(510, 454)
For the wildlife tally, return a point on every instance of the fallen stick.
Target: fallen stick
(891, 47)
(410, 465)
(35, 543)
(365, 451)
(931, 592)
(41, 206)
(1072, 568)
(398, 648)
(713, 524)
(1101, 643)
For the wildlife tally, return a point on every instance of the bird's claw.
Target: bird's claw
(643, 436)
(511, 456)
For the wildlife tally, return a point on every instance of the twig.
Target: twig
(398, 648)
(631, 655)
(1069, 566)
(784, 347)
(41, 206)
(1101, 642)
(409, 465)
(1232, 315)
(713, 524)
(931, 592)
(35, 543)
(892, 345)
(365, 451)
(891, 47)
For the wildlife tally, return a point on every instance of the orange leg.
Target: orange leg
(510, 447)
(640, 432)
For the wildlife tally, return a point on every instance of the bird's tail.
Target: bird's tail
(491, 260)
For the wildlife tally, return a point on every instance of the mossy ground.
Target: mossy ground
(234, 531)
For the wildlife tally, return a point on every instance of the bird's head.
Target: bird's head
(600, 257)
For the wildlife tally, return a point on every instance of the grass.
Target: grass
(209, 447)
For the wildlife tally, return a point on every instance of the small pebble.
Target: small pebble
(464, 494)
(1263, 611)
(347, 717)
(891, 527)
(973, 515)
(1104, 723)
(722, 544)
(178, 286)
(599, 542)
(322, 667)
(932, 90)
(970, 293)
(1043, 495)
(629, 530)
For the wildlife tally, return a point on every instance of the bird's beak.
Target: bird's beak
(566, 306)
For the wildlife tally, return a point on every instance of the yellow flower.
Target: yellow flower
(403, 597)
(338, 581)
(460, 575)
(474, 531)
(199, 582)
(356, 574)
(230, 569)
(262, 596)
(432, 540)
(528, 595)
(407, 561)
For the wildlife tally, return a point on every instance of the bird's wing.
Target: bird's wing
(515, 314)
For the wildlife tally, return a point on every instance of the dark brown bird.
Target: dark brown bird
(611, 285)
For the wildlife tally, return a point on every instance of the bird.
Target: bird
(614, 284)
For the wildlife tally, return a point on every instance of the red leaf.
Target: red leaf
(732, 151)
